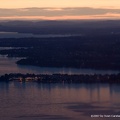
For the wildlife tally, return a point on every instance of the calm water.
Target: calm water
(33, 101)
(8, 65)
(21, 35)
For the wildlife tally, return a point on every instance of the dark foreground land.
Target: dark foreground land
(95, 52)
(61, 78)
(94, 44)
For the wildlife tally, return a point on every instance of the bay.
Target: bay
(8, 65)
(33, 101)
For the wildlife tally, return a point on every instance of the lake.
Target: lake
(4, 34)
(33, 101)
(8, 65)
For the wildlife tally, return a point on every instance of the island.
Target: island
(94, 52)
(61, 78)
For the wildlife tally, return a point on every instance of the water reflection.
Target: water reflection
(87, 92)
(37, 101)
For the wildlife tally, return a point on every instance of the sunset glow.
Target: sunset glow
(106, 16)
(58, 3)
(60, 9)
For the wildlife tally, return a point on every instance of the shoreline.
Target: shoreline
(61, 78)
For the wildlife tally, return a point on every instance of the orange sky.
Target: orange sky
(106, 16)
(57, 5)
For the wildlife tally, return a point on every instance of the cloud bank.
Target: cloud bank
(60, 13)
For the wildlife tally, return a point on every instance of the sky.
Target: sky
(59, 9)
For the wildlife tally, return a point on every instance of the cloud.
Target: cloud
(53, 9)
(58, 12)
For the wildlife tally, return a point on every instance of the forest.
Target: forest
(95, 52)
